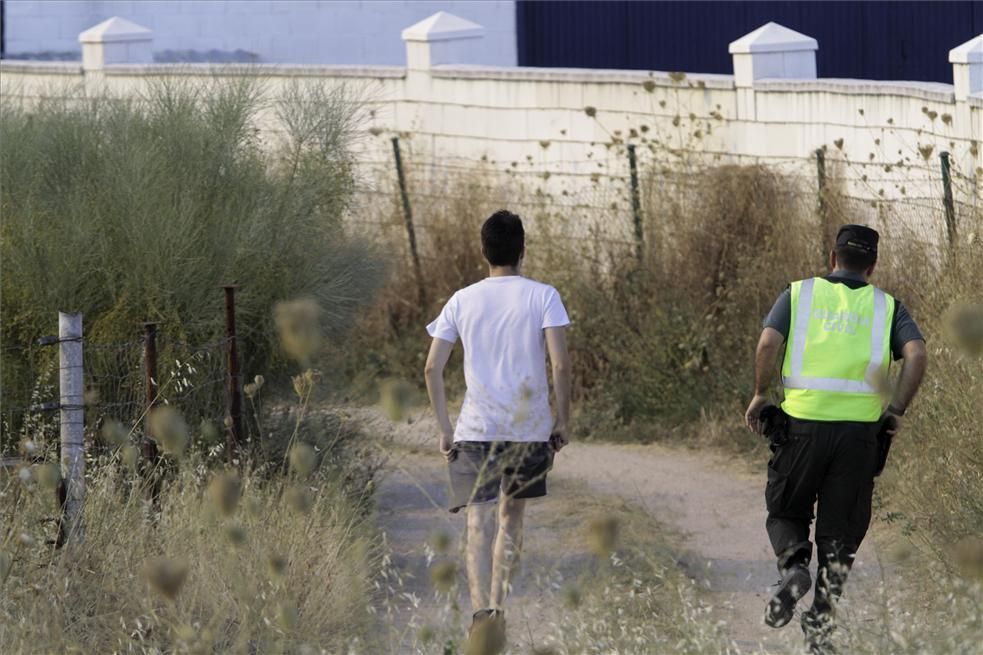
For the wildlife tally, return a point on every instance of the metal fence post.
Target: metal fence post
(636, 203)
(234, 417)
(822, 206)
(408, 218)
(950, 209)
(151, 455)
(72, 423)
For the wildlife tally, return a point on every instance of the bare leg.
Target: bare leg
(481, 533)
(508, 545)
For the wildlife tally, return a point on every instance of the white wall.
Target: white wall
(295, 31)
(554, 139)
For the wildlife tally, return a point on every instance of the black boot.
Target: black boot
(818, 628)
(794, 584)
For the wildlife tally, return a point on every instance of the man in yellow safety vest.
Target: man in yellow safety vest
(838, 335)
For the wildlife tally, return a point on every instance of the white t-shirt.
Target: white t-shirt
(500, 321)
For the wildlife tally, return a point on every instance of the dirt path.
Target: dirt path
(717, 507)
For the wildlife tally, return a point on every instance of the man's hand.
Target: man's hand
(892, 423)
(752, 417)
(559, 438)
(447, 448)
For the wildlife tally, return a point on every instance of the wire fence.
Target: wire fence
(122, 380)
(915, 192)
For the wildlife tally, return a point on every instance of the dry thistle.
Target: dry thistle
(968, 555)
(169, 430)
(487, 637)
(48, 475)
(425, 634)
(443, 574)
(305, 382)
(649, 85)
(395, 396)
(300, 499)
(287, 616)
(236, 534)
(303, 459)
(276, 566)
(441, 542)
(209, 433)
(224, 491)
(572, 596)
(298, 323)
(964, 326)
(602, 535)
(129, 455)
(166, 576)
(113, 433)
(590, 111)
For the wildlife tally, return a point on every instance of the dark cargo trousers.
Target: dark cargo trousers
(832, 464)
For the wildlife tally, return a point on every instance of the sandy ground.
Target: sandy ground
(716, 506)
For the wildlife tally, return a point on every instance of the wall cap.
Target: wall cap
(115, 29)
(970, 52)
(259, 70)
(41, 67)
(926, 90)
(772, 37)
(595, 75)
(442, 26)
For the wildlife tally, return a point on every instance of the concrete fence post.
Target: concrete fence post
(441, 39)
(772, 51)
(72, 423)
(967, 82)
(115, 41)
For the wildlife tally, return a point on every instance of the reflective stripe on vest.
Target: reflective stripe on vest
(810, 392)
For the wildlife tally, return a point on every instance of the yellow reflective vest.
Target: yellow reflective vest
(838, 351)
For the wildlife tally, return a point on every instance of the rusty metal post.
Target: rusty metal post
(822, 207)
(636, 204)
(408, 218)
(234, 416)
(947, 203)
(150, 452)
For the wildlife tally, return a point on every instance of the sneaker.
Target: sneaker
(818, 630)
(487, 633)
(794, 584)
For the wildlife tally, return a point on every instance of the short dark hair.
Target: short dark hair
(502, 238)
(856, 261)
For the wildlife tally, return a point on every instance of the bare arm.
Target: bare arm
(433, 372)
(915, 357)
(765, 358)
(556, 344)
(915, 362)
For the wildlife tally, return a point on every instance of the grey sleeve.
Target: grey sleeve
(780, 316)
(903, 330)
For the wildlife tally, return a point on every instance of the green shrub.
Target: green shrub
(137, 210)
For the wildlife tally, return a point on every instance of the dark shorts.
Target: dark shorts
(483, 470)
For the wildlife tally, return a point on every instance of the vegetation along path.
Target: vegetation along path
(714, 505)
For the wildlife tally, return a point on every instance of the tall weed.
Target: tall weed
(137, 210)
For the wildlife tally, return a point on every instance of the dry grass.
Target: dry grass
(199, 574)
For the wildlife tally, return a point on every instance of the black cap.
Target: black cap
(857, 237)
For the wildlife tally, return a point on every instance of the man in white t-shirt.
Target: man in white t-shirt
(502, 446)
